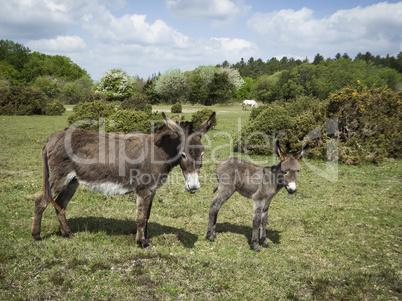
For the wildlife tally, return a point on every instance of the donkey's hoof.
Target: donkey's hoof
(211, 237)
(68, 235)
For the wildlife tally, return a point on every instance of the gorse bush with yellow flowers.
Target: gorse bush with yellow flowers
(369, 125)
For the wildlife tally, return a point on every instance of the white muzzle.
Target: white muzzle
(192, 183)
(291, 187)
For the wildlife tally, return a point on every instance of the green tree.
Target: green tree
(172, 86)
(116, 85)
(220, 89)
(149, 90)
(15, 54)
(50, 86)
(196, 93)
(244, 91)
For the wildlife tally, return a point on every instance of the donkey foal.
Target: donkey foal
(256, 182)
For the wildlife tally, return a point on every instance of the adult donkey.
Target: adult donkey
(256, 182)
(116, 164)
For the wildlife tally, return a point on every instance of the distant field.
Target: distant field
(329, 241)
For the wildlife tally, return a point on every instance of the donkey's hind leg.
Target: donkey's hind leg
(62, 200)
(224, 193)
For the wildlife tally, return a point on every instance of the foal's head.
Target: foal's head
(289, 168)
(191, 149)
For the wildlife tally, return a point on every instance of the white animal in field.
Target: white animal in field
(249, 102)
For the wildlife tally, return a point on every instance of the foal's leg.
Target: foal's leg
(224, 193)
(144, 203)
(40, 206)
(257, 219)
(62, 200)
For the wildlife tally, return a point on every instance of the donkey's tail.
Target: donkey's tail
(46, 186)
(216, 188)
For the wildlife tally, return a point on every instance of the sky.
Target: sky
(144, 38)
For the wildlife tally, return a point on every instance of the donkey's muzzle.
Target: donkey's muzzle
(192, 183)
(291, 187)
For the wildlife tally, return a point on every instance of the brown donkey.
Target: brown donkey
(256, 182)
(116, 164)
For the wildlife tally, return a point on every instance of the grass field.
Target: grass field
(329, 241)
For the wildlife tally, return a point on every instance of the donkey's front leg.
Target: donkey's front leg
(257, 217)
(144, 203)
(264, 222)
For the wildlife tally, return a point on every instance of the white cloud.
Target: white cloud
(61, 44)
(373, 28)
(218, 12)
(132, 29)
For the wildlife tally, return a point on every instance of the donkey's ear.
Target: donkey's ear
(172, 125)
(206, 125)
(301, 153)
(281, 154)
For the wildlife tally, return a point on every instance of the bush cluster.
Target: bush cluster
(369, 125)
(200, 116)
(27, 101)
(176, 108)
(138, 102)
(102, 115)
(289, 122)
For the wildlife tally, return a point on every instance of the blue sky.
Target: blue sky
(147, 37)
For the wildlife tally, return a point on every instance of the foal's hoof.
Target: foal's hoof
(265, 244)
(37, 238)
(144, 244)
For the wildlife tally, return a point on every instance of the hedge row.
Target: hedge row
(27, 101)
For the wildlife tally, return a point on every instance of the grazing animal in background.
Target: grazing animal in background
(249, 102)
(259, 183)
(116, 164)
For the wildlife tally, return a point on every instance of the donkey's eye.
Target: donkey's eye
(183, 156)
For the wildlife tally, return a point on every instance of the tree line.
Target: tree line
(60, 78)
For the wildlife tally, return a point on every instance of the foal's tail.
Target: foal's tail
(46, 186)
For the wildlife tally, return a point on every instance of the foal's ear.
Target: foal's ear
(281, 154)
(172, 125)
(206, 125)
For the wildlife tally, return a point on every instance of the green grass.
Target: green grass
(329, 241)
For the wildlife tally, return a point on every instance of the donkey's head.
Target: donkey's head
(289, 168)
(191, 149)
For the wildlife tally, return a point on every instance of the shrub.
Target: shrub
(101, 115)
(139, 102)
(92, 96)
(22, 101)
(255, 112)
(369, 123)
(54, 107)
(128, 121)
(176, 108)
(87, 115)
(200, 116)
(288, 121)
